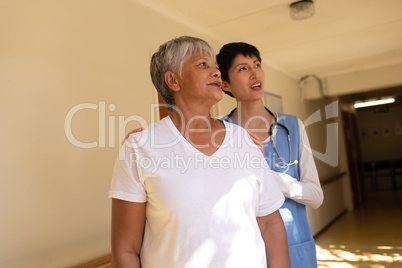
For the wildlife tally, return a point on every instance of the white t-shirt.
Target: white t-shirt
(201, 210)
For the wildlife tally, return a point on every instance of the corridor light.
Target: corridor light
(374, 102)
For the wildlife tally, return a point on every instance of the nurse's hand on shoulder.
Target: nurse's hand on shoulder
(134, 131)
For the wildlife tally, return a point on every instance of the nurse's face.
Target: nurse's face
(246, 79)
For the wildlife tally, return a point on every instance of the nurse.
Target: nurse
(285, 142)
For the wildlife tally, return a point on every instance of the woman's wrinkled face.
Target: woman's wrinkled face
(246, 78)
(200, 78)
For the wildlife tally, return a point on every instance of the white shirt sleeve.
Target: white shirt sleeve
(308, 190)
(271, 196)
(127, 182)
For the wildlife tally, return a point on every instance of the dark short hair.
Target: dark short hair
(227, 54)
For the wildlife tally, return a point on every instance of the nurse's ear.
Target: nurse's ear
(172, 80)
(226, 87)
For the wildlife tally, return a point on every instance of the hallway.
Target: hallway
(369, 237)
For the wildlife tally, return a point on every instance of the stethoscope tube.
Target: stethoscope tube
(270, 132)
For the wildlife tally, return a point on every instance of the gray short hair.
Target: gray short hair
(170, 57)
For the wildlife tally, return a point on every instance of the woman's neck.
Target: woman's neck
(185, 120)
(251, 111)
(254, 117)
(205, 133)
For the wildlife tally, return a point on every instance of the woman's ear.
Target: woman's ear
(171, 79)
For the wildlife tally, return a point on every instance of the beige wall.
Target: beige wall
(364, 80)
(328, 145)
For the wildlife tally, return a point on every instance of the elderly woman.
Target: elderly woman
(193, 191)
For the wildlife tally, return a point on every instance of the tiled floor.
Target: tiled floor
(370, 237)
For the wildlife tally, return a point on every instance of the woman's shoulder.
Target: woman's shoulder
(154, 132)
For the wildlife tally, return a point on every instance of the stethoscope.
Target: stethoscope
(270, 132)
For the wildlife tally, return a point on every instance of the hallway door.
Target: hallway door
(353, 152)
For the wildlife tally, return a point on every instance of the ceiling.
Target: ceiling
(395, 92)
(343, 35)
